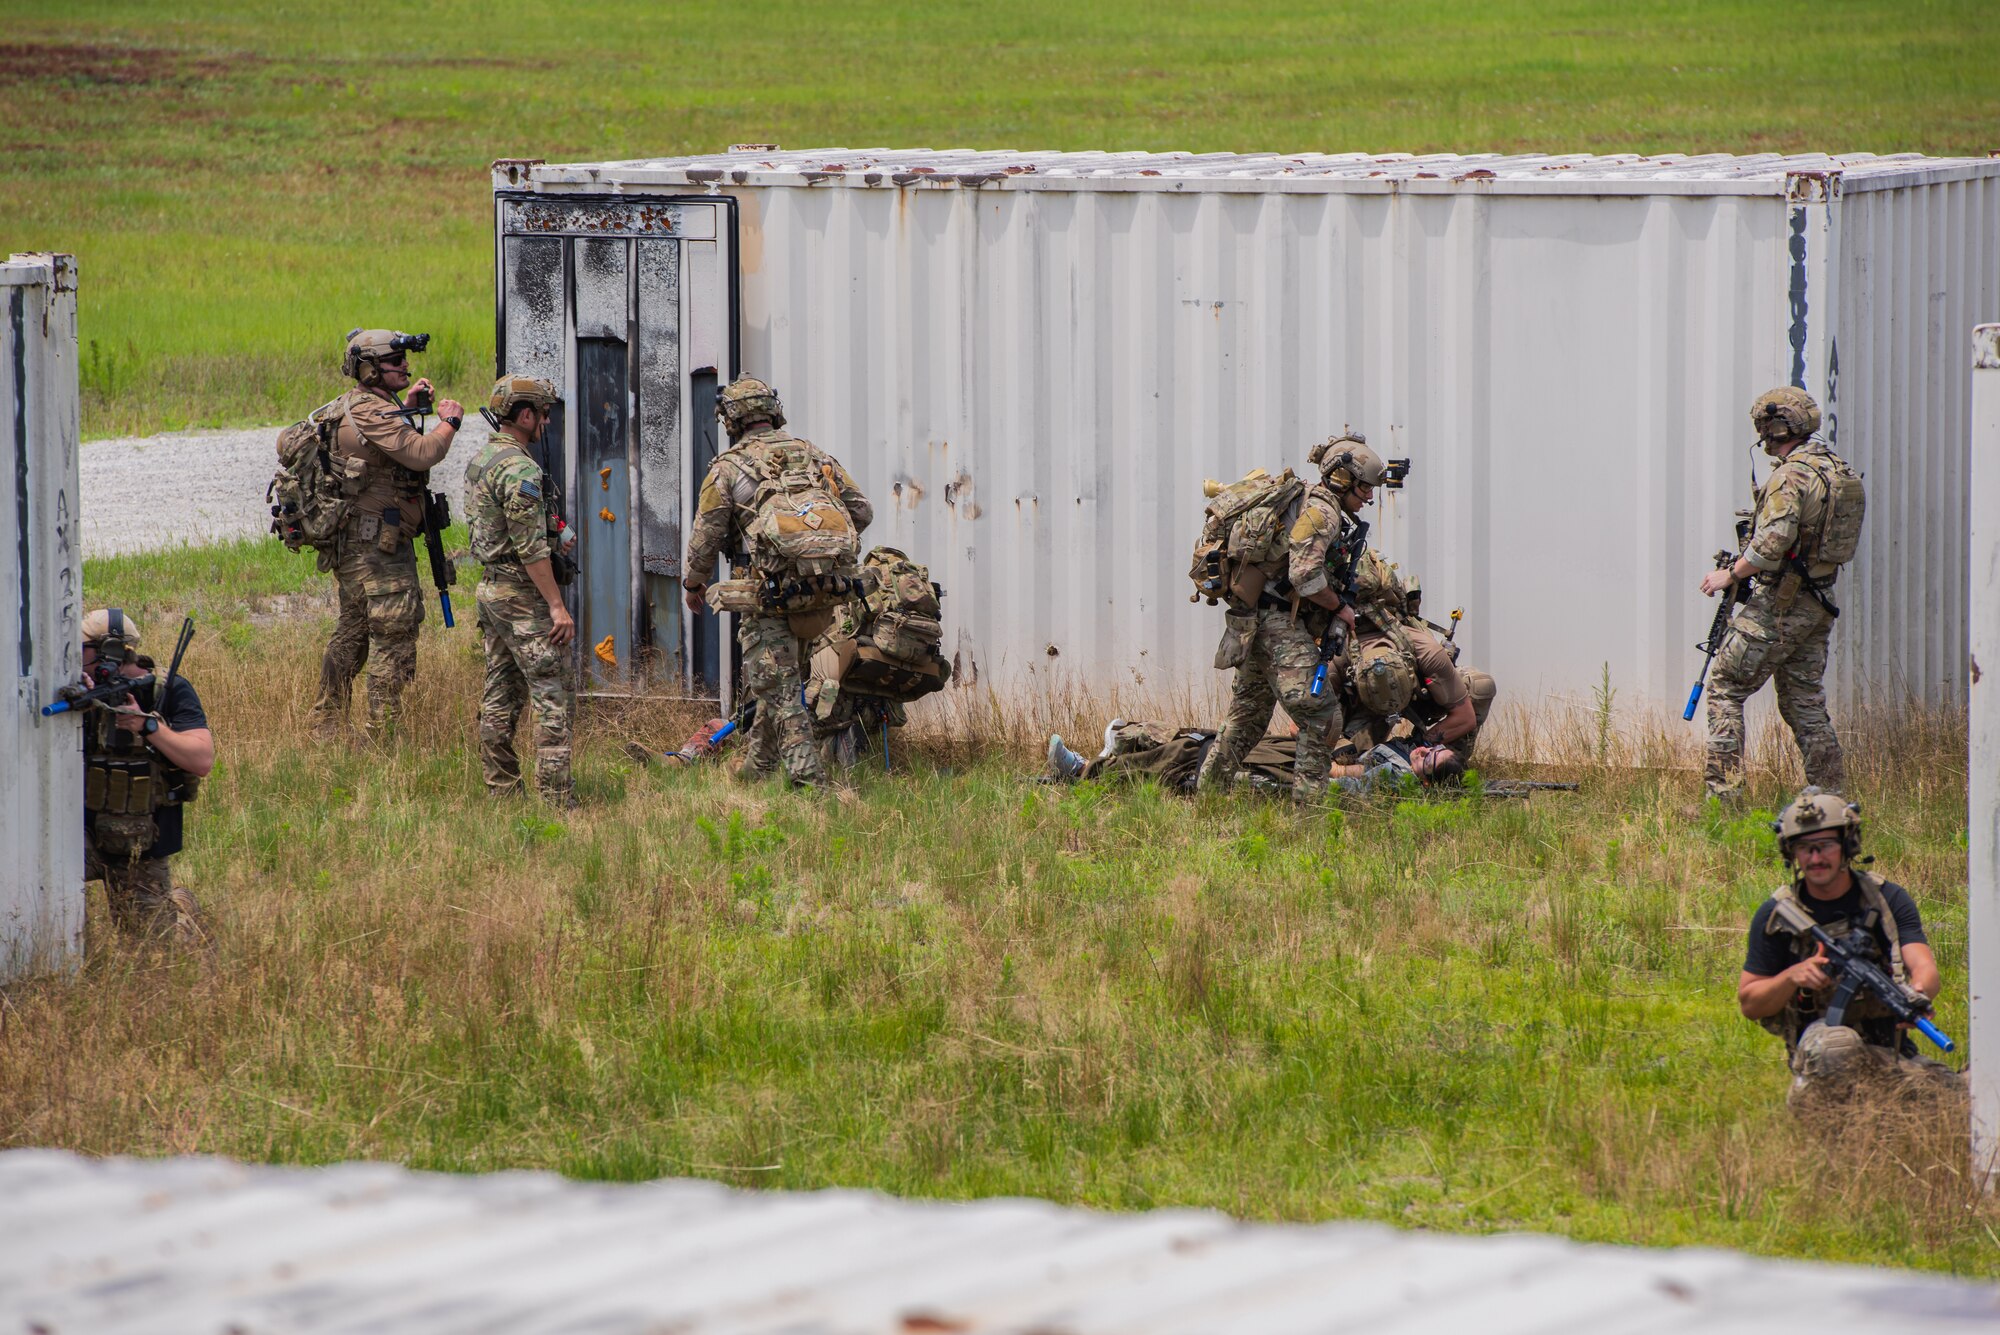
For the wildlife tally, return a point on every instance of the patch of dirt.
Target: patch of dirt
(98, 66)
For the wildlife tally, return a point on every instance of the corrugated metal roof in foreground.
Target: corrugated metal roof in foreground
(1520, 173)
(207, 1245)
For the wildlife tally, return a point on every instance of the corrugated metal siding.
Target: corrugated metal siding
(205, 1245)
(1919, 266)
(41, 560)
(1032, 361)
(1982, 910)
(1037, 384)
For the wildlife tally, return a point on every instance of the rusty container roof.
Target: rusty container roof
(212, 1246)
(1516, 173)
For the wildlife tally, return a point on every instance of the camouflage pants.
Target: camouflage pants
(523, 668)
(1832, 1064)
(140, 891)
(782, 733)
(380, 610)
(1277, 668)
(1788, 647)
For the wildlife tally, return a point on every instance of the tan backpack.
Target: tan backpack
(801, 526)
(1846, 505)
(311, 494)
(1242, 535)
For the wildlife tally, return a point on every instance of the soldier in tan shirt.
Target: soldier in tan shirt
(384, 463)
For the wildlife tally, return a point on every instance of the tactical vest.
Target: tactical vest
(358, 466)
(122, 776)
(1877, 925)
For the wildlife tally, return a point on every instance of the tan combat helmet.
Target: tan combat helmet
(511, 391)
(1814, 810)
(1383, 680)
(112, 633)
(368, 348)
(1785, 413)
(1345, 460)
(748, 400)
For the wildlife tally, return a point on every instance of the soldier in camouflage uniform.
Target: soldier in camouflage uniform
(374, 560)
(780, 609)
(1275, 645)
(523, 622)
(1807, 517)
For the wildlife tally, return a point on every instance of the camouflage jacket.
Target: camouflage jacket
(390, 457)
(728, 503)
(507, 511)
(1326, 544)
(1791, 503)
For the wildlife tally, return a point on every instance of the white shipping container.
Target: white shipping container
(41, 777)
(1032, 360)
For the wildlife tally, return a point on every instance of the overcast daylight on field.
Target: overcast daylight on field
(895, 667)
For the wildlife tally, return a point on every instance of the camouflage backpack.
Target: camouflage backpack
(1242, 535)
(890, 644)
(311, 494)
(1846, 504)
(801, 526)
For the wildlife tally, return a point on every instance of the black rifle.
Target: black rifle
(1854, 972)
(436, 510)
(97, 697)
(1717, 628)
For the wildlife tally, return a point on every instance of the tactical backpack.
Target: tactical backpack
(1846, 505)
(311, 494)
(1242, 535)
(895, 652)
(801, 526)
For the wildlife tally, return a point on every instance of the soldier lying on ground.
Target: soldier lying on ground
(1173, 758)
(1787, 984)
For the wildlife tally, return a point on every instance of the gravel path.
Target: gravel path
(195, 487)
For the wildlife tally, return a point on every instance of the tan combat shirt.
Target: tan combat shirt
(393, 455)
(729, 498)
(1791, 502)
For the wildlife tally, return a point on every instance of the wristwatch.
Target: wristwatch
(454, 421)
(152, 725)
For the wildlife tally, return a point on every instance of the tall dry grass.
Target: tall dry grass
(1459, 1014)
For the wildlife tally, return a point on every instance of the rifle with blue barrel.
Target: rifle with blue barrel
(1717, 629)
(1853, 972)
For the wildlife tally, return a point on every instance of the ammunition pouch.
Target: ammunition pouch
(118, 786)
(788, 595)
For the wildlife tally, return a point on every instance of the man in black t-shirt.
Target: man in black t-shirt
(143, 759)
(1785, 982)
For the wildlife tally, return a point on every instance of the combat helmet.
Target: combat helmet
(1383, 680)
(114, 635)
(1345, 460)
(745, 400)
(511, 391)
(368, 348)
(1785, 413)
(1814, 810)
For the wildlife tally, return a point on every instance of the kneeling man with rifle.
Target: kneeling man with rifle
(1839, 967)
(146, 749)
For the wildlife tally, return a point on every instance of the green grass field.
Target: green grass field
(243, 183)
(1471, 1014)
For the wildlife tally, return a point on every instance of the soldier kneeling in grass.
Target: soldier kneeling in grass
(1845, 1025)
